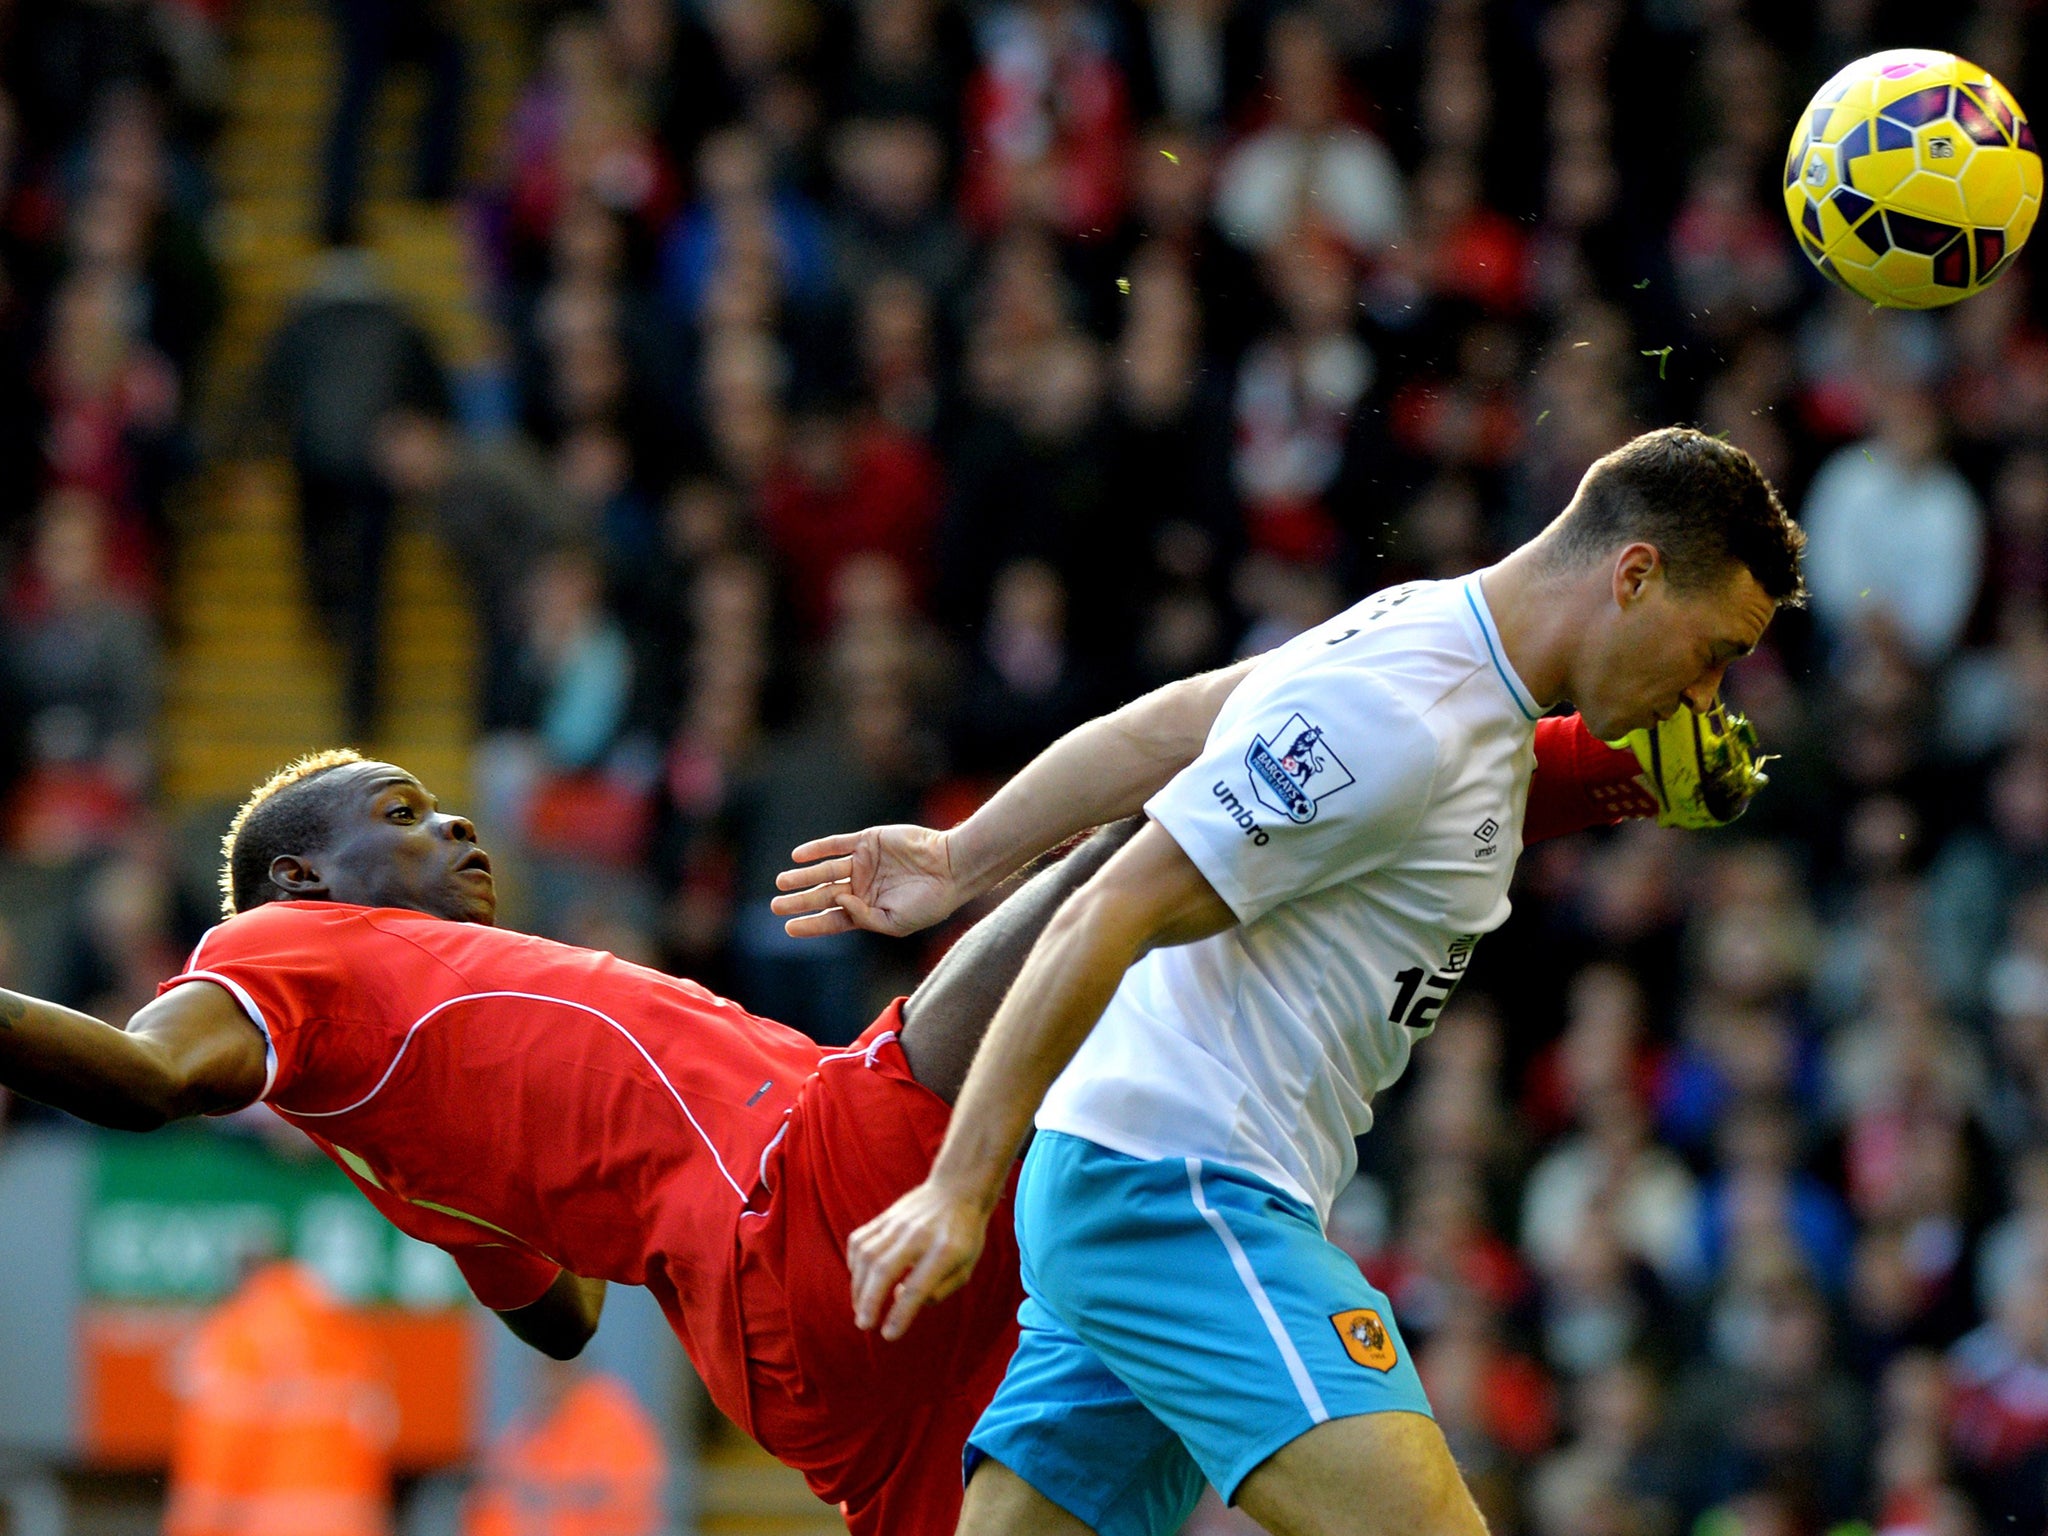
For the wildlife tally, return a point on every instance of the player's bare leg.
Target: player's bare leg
(1000, 1503)
(949, 1013)
(1374, 1474)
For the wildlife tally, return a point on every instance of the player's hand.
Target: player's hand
(892, 880)
(1703, 768)
(921, 1249)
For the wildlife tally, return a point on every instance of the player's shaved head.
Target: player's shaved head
(293, 811)
(1701, 502)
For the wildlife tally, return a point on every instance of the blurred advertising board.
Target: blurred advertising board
(145, 1234)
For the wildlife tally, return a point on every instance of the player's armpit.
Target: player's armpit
(1150, 894)
(563, 1320)
(216, 1054)
(1164, 893)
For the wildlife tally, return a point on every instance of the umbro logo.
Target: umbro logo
(1486, 832)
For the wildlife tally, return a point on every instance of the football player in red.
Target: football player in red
(557, 1118)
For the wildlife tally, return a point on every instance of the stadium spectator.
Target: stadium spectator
(893, 216)
(1998, 1428)
(583, 1460)
(1612, 1478)
(1611, 1170)
(848, 483)
(1309, 167)
(1047, 117)
(374, 35)
(83, 672)
(1894, 533)
(1769, 1410)
(347, 358)
(857, 759)
(286, 1406)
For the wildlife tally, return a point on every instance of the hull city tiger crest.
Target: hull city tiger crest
(1295, 770)
(1365, 1337)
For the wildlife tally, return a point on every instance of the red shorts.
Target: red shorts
(875, 1427)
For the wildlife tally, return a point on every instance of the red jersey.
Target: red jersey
(523, 1104)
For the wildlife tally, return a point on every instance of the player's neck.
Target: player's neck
(1538, 610)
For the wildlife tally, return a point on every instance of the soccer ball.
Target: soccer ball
(1913, 179)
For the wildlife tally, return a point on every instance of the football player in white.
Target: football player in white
(1202, 1029)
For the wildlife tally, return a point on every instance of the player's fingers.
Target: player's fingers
(937, 1275)
(831, 872)
(814, 898)
(820, 925)
(875, 1259)
(825, 847)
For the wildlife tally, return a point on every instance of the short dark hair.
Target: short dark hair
(1701, 501)
(289, 812)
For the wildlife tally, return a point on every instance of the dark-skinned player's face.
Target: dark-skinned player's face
(392, 846)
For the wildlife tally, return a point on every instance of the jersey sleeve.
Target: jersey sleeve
(280, 972)
(1318, 778)
(1580, 782)
(505, 1279)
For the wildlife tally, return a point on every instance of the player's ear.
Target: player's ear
(295, 875)
(1635, 568)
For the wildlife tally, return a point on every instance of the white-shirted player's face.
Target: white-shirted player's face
(1668, 647)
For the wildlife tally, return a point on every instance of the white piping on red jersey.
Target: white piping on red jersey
(867, 1053)
(234, 989)
(531, 997)
(867, 1057)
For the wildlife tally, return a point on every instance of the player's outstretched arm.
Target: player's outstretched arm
(899, 879)
(191, 1052)
(562, 1321)
(925, 1245)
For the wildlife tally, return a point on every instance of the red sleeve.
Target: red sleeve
(505, 1279)
(1580, 782)
(283, 968)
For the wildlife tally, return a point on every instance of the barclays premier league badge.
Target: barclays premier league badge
(1295, 769)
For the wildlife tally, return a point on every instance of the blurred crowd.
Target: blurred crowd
(885, 386)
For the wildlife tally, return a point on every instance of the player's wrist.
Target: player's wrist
(966, 1182)
(971, 864)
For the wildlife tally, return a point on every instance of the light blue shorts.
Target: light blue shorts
(1183, 1320)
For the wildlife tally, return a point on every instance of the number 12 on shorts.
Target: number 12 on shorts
(1420, 996)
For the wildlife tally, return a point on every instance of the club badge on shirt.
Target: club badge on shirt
(1365, 1338)
(1294, 770)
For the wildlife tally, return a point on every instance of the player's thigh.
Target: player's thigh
(1373, 1474)
(1000, 1503)
(1212, 1298)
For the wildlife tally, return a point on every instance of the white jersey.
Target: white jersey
(1358, 805)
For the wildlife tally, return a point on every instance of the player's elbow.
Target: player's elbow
(148, 1098)
(131, 1115)
(563, 1346)
(1105, 921)
(563, 1320)
(1172, 723)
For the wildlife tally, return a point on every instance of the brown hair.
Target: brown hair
(1701, 501)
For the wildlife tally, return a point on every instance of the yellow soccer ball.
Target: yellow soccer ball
(1913, 178)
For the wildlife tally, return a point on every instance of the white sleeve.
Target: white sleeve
(1319, 779)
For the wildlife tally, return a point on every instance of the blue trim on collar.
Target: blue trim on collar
(1499, 666)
